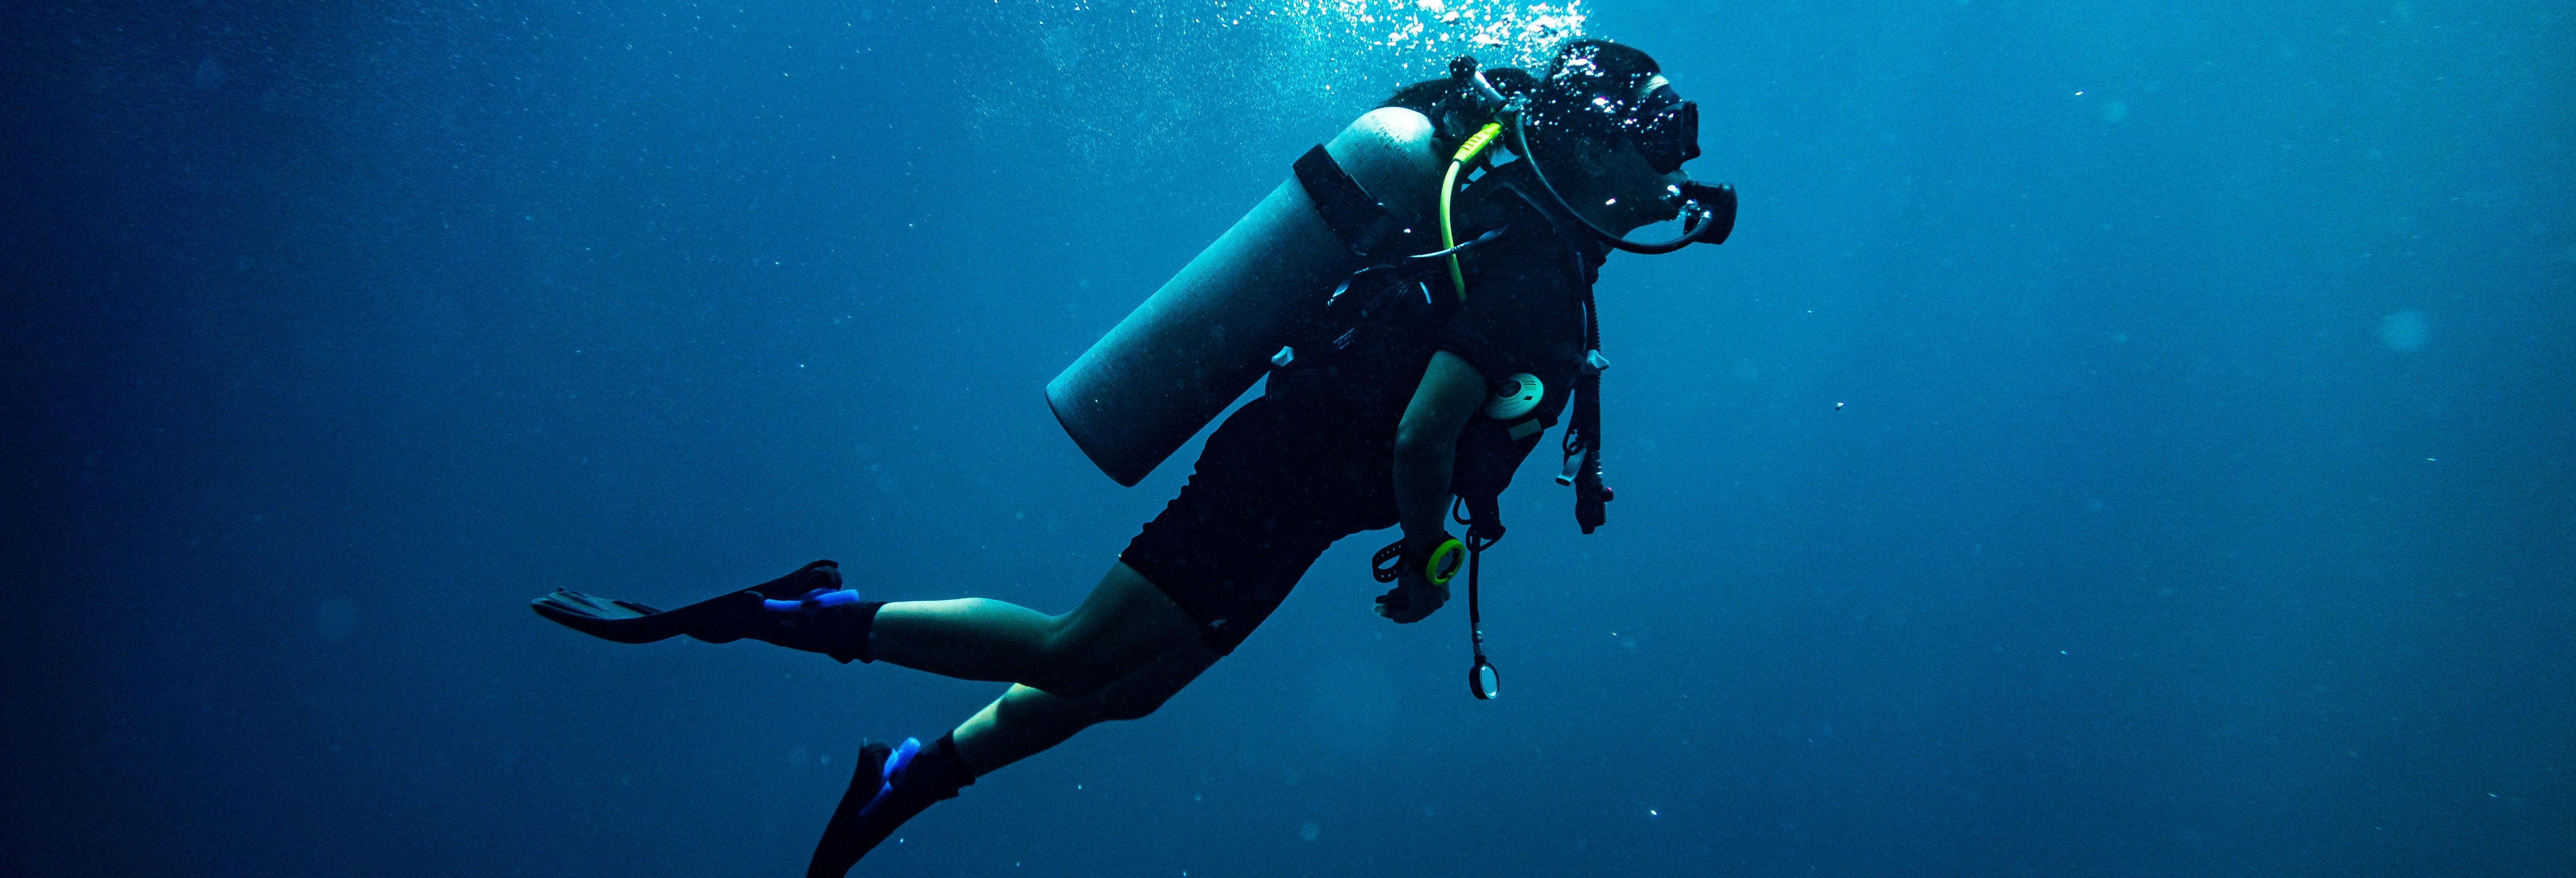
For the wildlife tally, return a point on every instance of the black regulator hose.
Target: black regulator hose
(1711, 209)
(1710, 220)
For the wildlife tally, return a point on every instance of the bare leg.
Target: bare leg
(1118, 656)
(1025, 721)
(1125, 623)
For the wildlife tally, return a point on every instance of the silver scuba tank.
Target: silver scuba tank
(1197, 343)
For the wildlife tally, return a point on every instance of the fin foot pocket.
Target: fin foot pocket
(911, 778)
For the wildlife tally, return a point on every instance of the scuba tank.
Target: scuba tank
(1201, 340)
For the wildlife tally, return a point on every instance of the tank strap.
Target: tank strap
(1357, 217)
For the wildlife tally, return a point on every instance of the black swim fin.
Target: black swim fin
(907, 781)
(801, 610)
(840, 848)
(607, 618)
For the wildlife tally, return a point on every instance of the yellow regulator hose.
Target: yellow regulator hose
(1467, 152)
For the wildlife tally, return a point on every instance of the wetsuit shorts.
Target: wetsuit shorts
(1271, 492)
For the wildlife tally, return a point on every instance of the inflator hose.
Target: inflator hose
(1467, 152)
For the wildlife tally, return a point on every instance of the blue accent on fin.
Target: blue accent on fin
(814, 600)
(895, 764)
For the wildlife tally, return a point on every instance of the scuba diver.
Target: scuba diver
(1419, 357)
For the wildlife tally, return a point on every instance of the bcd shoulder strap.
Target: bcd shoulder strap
(1357, 217)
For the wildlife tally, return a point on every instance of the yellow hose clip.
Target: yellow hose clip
(1476, 144)
(1444, 562)
(1467, 152)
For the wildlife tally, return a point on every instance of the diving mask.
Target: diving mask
(1665, 128)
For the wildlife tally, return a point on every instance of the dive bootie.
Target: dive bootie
(805, 610)
(914, 777)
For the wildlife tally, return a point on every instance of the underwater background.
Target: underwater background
(2199, 503)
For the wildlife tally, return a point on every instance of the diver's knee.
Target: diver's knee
(1116, 705)
(1070, 685)
(1079, 664)
(1073, 674)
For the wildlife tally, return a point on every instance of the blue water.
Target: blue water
(2198, 502)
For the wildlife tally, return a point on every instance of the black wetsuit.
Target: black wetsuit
(1311, 461)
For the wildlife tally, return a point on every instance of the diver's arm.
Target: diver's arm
(1426, 446)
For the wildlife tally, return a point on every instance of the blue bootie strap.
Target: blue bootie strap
(894, 765)
(813, 600)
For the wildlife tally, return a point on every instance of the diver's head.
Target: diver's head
(1604, 109)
